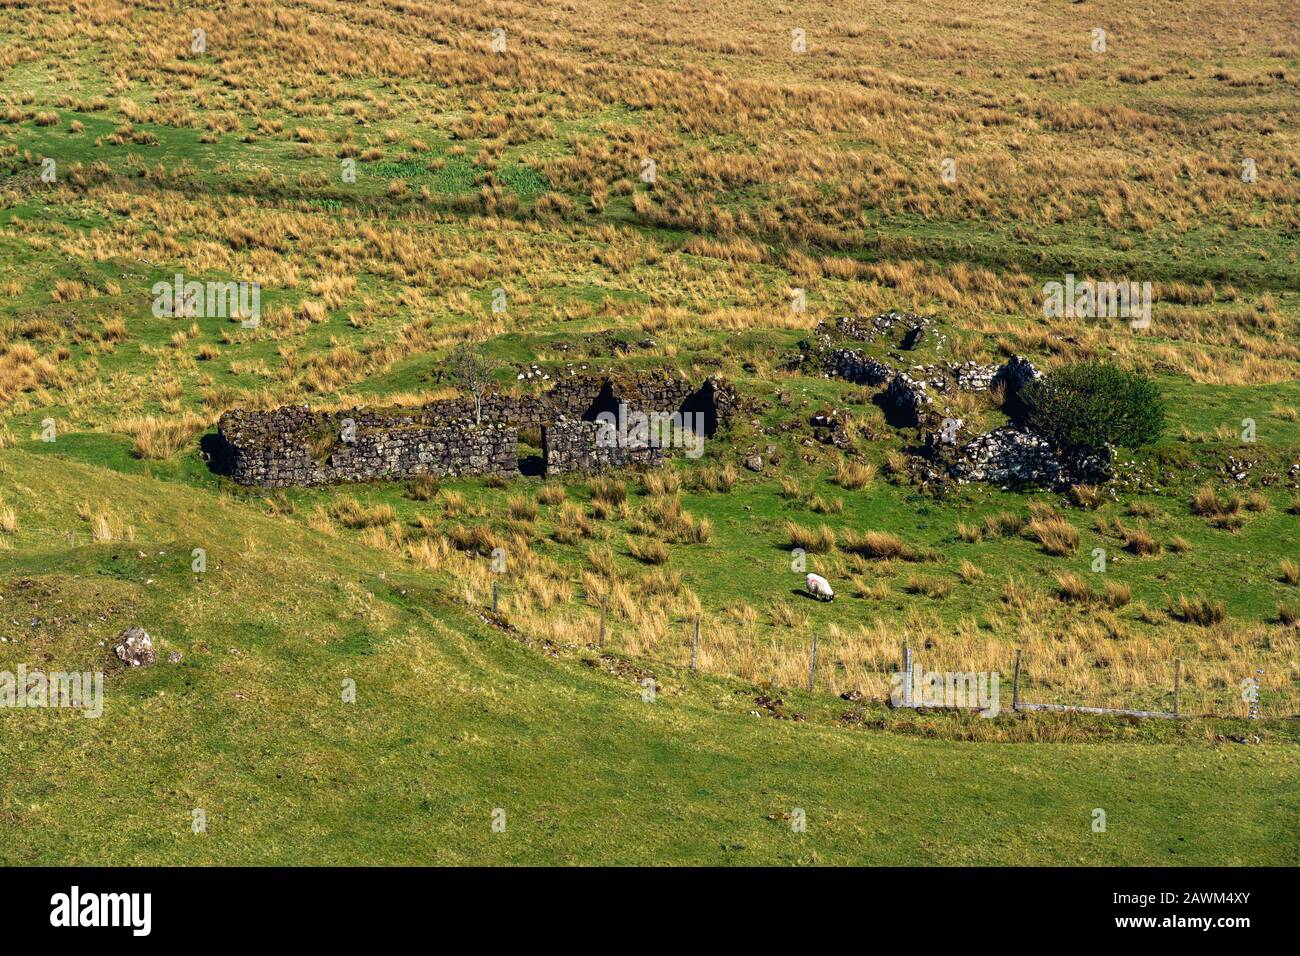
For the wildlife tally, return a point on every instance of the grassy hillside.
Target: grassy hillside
(633, 189)
(455, 718)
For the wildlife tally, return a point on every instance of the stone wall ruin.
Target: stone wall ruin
(293, 446)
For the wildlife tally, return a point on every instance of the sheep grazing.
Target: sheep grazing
(820, 588)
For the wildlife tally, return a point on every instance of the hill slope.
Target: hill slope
(455, 718)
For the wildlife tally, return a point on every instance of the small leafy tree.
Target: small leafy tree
(471, 370)
(1090, 405)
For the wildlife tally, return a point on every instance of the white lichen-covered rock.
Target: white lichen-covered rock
(972, 376)
(134, 648)
(1008, 455)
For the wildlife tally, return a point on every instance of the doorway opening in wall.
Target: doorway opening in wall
(532, 457)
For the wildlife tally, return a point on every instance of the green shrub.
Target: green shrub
(1090, 405)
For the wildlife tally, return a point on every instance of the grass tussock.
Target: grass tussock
(1290, 572)
(1004, 524)
(718, 477)
(551, 494)
(423, 488)
(819, 540)
(157, 438)
(351, 513)
(853, 475)
(1198, 610)
(1055, 535)
(647, 550)
(881, 546)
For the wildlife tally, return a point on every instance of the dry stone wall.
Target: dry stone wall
(574, 445)
(296, 446)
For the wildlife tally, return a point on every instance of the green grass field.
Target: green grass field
(380, 172)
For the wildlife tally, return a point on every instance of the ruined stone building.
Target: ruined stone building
(293, 445)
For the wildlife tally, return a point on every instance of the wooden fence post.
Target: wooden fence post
(1015, 684)
(812, 664)
(907, 675)
(695, 644)
(494, 596)
(602, 622)
(1178, 681)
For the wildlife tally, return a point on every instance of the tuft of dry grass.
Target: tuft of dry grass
(1198, 610)
(661, 482)
(824, 506)
(1139, 541)
(648, 550)
(1224, 512)
(881, 545)
(815, 541)
(931, 587)
(608, 491)
(852, 475)
(897, 464)
(522, 508)
(1072, 588)
(1003, 525)
(1117, 595)
(157, 438)
(1290, 572)
(784, 615)
(572, 524)
(718, 477)
(1088, 497)
(1055, 535)
(353, 514)
(551, 494)
(423, 488)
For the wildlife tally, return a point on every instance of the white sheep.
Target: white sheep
(820, 588)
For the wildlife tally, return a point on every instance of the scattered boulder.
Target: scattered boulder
(134, 647)
(831, 428)
(754, 462)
